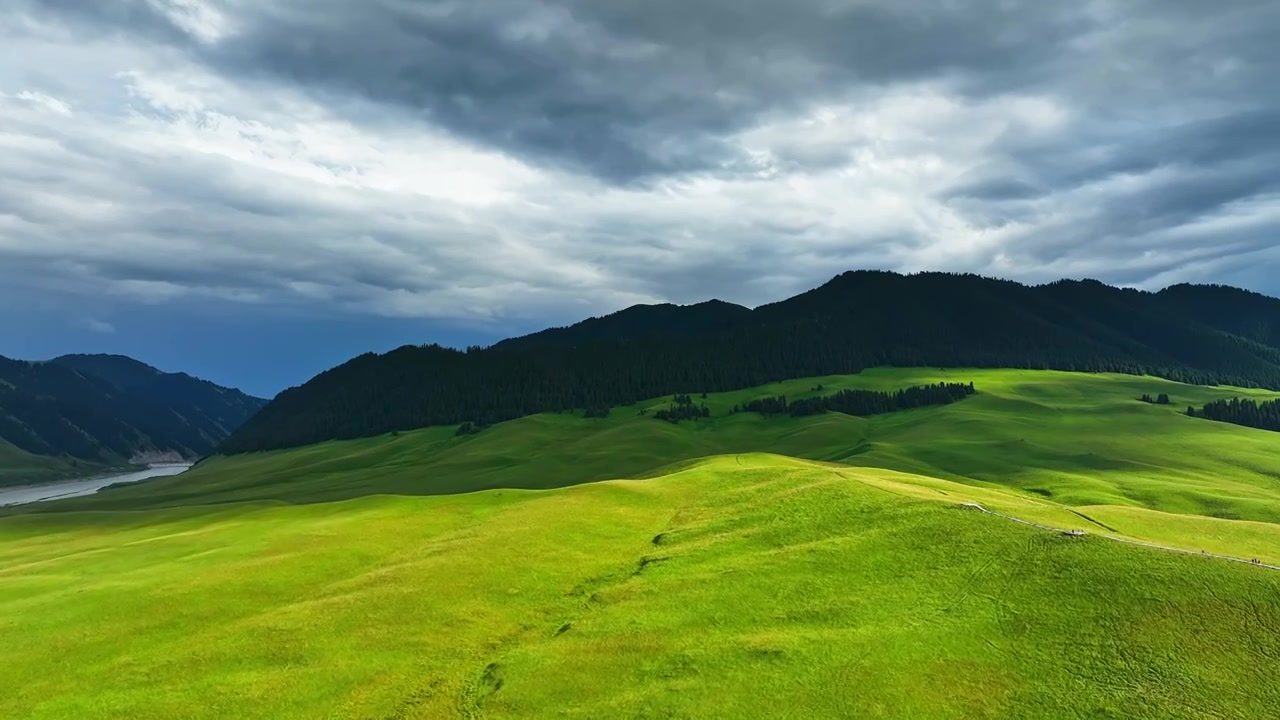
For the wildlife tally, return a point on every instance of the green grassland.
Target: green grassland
(1077, 439)
(740, 586)
(19, 467)
(746, 567)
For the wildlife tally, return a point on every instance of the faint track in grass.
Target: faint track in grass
(1064, 531)
(1128, 541)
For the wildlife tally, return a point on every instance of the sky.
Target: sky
(253, 191)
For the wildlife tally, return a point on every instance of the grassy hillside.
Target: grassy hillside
(1079, 439)
(740, 586)
(19, 467)
(423, 575)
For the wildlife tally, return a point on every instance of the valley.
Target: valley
(24, 494)
(694, 360)
(80, 416)
(740, 564)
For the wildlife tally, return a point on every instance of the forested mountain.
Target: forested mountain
(1247, 314)
(109, 409)
(1200, 334)
(641, 322)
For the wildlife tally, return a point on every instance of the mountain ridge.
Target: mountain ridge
(110, 410)
(858, 319)
(641, 321)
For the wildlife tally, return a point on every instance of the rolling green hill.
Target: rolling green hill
(859, 320)
(79, 414)
(739, 586)
(511, 573)
(1082, 439)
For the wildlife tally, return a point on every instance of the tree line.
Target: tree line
(862, 403)
(683, 408)
(1263, 415)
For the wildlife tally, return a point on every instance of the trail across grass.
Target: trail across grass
(740, 586)
(1076, 532)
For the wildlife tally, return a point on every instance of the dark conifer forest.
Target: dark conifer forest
(1194, 334)
(683, 408)
(863, 403)
(1242, 411)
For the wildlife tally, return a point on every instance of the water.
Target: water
(75, 488)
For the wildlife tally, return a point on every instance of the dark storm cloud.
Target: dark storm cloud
(628, 89)
(632, 89)
(1252, 136)
(622, 89)
(1134, 194)
(1103, 138)
(130, 16)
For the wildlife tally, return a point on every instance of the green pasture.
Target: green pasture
(18, 467)
(739, 566)
(1073, 438)
(739, 586)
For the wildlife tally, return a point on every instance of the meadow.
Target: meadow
(18, 467)
(742, 566)
(1077, 439)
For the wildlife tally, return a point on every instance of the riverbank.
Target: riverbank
(22, 468)
(40, 492)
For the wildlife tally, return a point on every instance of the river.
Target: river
(75, 488)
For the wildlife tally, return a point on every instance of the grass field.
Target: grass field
(424, 575)
(18, 467)
(1077, 439)
(741, 586)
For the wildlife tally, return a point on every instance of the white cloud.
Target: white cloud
(100, 326)
(154, 177)
(202, 20)
(45, 102)
(180, 113)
